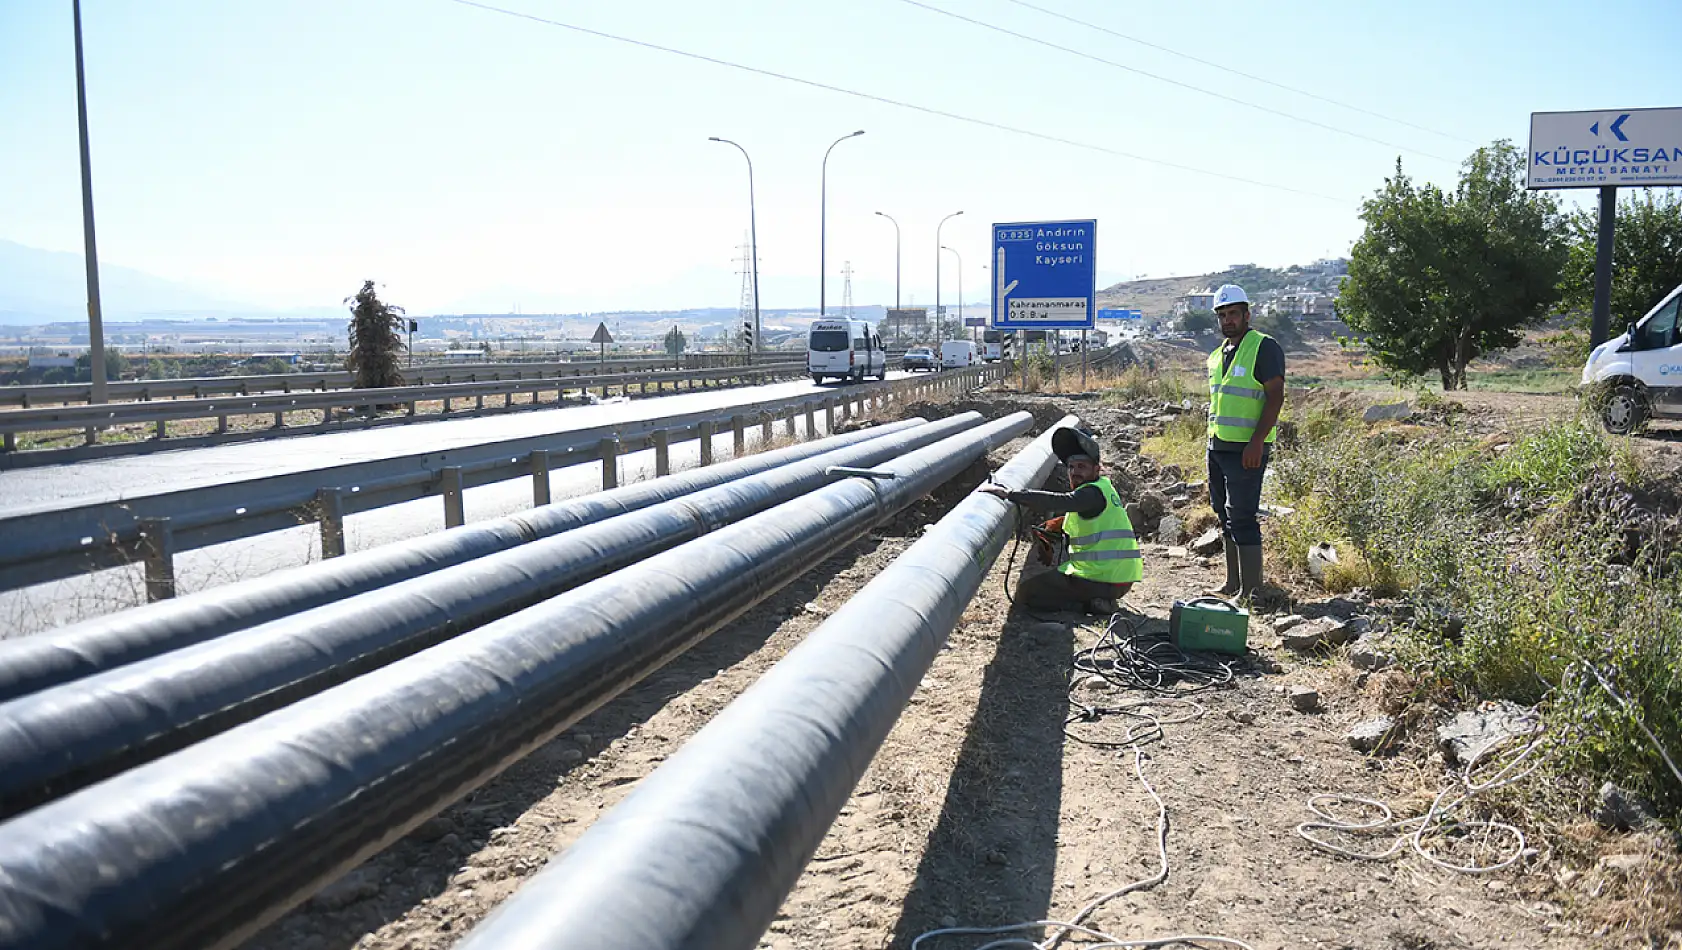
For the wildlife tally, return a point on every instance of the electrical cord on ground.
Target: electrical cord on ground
(1630, 711)
(1412, 833)
(1060, 929)
(1135, 661)
(1438, 821)
(1126, 661)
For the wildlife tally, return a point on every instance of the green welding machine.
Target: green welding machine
(1210, 624)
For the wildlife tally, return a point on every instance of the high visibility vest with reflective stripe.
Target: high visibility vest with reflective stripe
(1236, 397)
(1103, 549)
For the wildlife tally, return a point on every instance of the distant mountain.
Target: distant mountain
(39, 286)
(1156, 296)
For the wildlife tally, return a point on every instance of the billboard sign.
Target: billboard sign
(975, 321)
(1641, 147)
(1044, 276)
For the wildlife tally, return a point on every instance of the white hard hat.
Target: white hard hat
(1230, 294)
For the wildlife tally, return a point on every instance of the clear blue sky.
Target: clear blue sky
(279, 151)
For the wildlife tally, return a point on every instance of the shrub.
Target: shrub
(1516, 592)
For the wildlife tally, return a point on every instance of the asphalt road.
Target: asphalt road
(111, 479)
(45, 606)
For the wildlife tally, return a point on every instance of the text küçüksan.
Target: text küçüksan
(1567, 157)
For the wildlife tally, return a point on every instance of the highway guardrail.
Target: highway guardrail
(198, 387)
(91, 419)
(52, 543)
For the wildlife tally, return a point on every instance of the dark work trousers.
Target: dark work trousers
(1054, 590)
(1235, 494)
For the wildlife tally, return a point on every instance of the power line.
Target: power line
(1172, 82)
(1238, 72)
(897, 103)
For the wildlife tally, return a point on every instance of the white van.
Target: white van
(957, 354)
(1639, 371)
(845, 349)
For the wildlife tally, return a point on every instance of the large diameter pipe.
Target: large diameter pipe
(33, 663)
(202, 848)
(58, 740)
(704, 852)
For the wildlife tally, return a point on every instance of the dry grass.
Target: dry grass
(1624, 884)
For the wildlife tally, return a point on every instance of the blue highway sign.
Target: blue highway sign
(1044, 275)
(1108, 314)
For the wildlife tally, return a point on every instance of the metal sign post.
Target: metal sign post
(1055, 339)
(1604, 150)
(1083, 361)
(602, 338)
(1022, 357)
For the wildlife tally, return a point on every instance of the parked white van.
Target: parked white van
(957, 354)
(845, 349)
(1639, 372)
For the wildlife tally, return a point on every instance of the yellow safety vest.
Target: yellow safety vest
(1104, 548)
(1236, 396)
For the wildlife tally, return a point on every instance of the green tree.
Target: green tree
(1646, 257)
(1439, 279)
(376, 340)
(1197, 321)
(675, 342)
(115, 366)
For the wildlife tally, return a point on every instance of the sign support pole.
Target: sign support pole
(1083, 361)
(1055, 338)
(1022, 357)
(1602, 314)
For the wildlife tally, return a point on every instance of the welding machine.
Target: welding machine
(1209, 623)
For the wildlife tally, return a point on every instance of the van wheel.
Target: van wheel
(1625, 410)
(817, 379)
(858, 376)
(882, 373)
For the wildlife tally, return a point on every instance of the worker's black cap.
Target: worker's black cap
(1068, 442)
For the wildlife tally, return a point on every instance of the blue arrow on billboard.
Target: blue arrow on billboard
(1617, 127)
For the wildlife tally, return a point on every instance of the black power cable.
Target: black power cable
(1126, 658)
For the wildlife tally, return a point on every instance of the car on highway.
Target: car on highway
(1637, 374)
(845, 349)
(920, 357)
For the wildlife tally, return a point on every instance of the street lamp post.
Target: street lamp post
(896, 269)
(939, 321)
(823, 222)
(753, 241)
(96, 320)
(960, 258)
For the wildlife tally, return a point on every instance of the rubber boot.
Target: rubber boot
(1249, 570)
(1231, 585)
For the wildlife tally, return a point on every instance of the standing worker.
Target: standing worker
(1246, 392)
(1104, 560)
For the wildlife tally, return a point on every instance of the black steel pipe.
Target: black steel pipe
(703, 853)
(202, 848)
(58, 740)
(28, 664)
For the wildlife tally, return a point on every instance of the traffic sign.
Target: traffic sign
(975, 321)
(1108, 314)
(1596, 149)
(1044, 275)
(602, 336)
